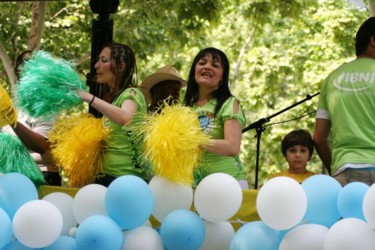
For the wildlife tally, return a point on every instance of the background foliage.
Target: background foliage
(280, 51)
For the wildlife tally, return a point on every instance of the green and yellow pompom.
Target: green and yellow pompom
(14, 157)
(8, 114)
(171, 143)
(47, 86)
(77, 147)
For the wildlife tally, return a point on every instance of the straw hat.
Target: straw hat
(163, 74)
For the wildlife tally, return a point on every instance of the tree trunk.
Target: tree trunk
(37, 24)
(7, 64)
(371, 6)
(4, 57)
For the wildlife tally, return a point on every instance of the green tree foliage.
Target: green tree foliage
(280, 51)
(67, 29)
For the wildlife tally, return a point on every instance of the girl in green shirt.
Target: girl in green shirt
(219, 113)
(115, 68)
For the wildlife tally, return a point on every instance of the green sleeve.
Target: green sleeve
(227, 112)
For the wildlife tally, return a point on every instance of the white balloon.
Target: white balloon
(37, 223)
(147, 223)
(73, 232)
(368, 206)
(169, 196)
(306, 237)
(350, 233)
(142, 238)
(281, 203)
(64, 203)
(88, 201)
(218, 197)
(218, 235)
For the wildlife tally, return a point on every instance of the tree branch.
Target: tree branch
(37, 24)
(83, 59)
(241, 55)
(7, 64)
(371, 7)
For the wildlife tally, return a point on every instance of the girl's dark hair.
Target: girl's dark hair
(300, 137)
(363, 35)
(20, 60)
(125, 78)
(222, 93)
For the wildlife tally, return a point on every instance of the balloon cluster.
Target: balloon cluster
(317, 214)
(117, 216)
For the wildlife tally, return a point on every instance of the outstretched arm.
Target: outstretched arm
(120, 115)
(33, 140)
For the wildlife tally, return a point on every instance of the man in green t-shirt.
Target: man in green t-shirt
(346, 114)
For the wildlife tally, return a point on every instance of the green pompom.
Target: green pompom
(14, 157)
(47, 86)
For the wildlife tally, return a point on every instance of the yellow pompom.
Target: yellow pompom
(8, 114)
(171, 143)
(77, 146)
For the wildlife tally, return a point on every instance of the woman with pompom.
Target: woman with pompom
(116, 67)
(219, 113)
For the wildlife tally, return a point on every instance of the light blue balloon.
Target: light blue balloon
(322, 192)
(6, 229)
(98, 232)
(182, 229)
(15, 190)
(129, 201)
(63, 243)
(350, 200)
(255, 236)
(16, 245)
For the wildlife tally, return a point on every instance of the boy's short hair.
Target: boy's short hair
(300, 137)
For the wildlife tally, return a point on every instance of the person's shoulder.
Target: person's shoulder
(135, 94)
(341, 67)
(132, 89)
(232, 99)
(131, 92)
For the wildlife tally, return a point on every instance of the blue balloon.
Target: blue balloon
(350, 200)
(98, 232)
(16, 245)
(129, 201)
(255, 236)
(322, 192)
(15, 190)
(6, 229)
(63, 243)
(182, 229)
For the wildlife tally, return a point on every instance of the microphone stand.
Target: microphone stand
(258, 126)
